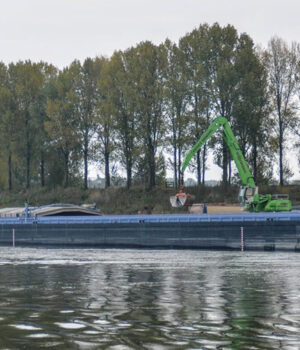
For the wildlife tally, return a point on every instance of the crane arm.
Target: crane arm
(238, 157)
(235, 151)
(215, 125)
(248, 195)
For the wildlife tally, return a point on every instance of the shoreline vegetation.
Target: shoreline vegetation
(120, 200)
(141, 110)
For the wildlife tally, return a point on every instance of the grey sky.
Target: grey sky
(58, 31)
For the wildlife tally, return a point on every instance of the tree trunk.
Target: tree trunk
(198, 168)
(9, 172)
(27, 156)
(225, 163)
(66, 156)
(27, 166)
(255, 161)
(175, 165)
(129, 175)
(280, 154)
(27, 161)
(42, 169)
(203, 164)
(85, 160)
(205, 148)
(151, 167)
(107, 171)
(150, 152)
(229, 171)
(179, 174)
(128, 157)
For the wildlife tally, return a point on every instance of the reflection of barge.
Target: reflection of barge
(268, 231)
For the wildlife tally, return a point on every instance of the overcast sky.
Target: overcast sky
(59, 31)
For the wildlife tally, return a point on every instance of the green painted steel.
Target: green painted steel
(237, 155)
(258, 202)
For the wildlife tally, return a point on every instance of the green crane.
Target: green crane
(248, 194)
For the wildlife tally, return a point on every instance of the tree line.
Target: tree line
(140, 110)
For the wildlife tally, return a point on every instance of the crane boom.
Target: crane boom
(238, 157)
(236, 153)
(248, 195)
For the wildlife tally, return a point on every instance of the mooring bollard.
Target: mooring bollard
(13, 237)
(242, 239)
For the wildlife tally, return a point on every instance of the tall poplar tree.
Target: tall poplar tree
(122, 98)
(105, 118)
(176, 101)
(86, 90)
(62, 124)
(26, 81)
(251, 108)
(41, 144)
(7, 123)
(196, 48)
(224, 80)
(149, 60)
(282, 65)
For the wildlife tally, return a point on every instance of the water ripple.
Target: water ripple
(143, 299)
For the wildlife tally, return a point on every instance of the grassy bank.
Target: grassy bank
(123, 201)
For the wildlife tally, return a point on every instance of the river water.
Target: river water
(148, 299)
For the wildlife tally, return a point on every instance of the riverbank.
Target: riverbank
(123, 201)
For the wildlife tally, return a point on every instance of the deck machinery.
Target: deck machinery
(248, 194)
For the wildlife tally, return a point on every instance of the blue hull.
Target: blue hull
(255, 231)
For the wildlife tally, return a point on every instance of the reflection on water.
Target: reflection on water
(142, 299)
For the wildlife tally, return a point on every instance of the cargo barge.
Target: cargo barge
(250, 231)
